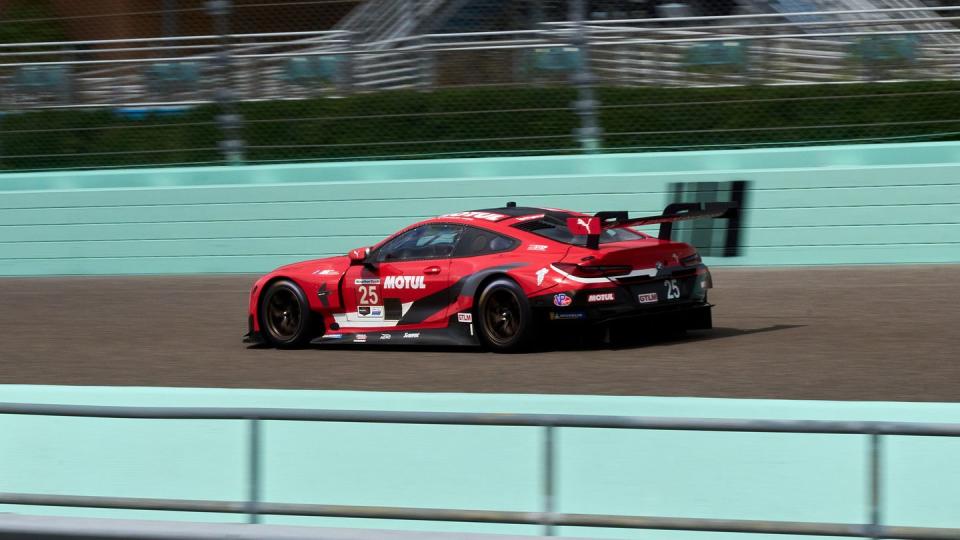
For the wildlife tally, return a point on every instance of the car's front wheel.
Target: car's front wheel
(505, 317)
(285, 316)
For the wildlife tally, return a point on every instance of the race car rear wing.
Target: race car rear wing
(592, 227)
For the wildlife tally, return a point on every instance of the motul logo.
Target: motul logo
(404, 282)
(602, 297)
(489, 216)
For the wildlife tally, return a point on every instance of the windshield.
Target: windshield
(559, 232)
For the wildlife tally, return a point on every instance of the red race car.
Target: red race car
(490, 277)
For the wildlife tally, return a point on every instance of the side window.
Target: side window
(478, 241)
(427, 242)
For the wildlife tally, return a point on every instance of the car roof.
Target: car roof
(499, 219)
(504, 217)
(515, 211)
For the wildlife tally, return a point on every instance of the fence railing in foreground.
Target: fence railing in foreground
(548, 517)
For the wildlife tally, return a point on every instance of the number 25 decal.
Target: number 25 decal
(673, 289)
(368, 295)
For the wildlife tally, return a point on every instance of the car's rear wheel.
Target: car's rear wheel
(506, 320)
(285, 316)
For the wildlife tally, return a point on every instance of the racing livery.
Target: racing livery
(490, 277)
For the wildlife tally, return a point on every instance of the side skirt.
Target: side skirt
(456, 334)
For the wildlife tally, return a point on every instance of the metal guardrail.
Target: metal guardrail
(20, 527)
(387, 45)
(548, 517)
(114, 72)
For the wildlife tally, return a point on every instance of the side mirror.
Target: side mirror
(359, 255)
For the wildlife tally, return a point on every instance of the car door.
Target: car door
(405, 281)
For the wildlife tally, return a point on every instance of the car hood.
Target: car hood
(338, 264)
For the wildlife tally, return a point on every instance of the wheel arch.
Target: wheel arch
(486, 280)
(475, 284)
(263, 290)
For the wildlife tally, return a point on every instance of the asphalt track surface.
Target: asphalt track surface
(865, 333)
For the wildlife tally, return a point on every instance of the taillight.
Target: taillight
(587, 270)
(691, 260)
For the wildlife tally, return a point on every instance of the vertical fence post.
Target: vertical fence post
(253, 471)
(349, 64)
(549, 479)
(876, 500)
(229, 118)
(589, 132)
(428, 62)
(169, 22)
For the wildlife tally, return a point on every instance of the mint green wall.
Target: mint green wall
(720, 475)
(821, 205)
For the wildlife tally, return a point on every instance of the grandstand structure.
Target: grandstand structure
(416, 79)
(424, 44)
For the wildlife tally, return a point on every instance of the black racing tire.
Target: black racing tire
(504, 317)
(286, 321)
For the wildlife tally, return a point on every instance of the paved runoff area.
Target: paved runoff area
(831, 333)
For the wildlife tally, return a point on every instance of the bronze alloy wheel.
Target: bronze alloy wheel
(504, 316)
(501, 316)
(285, 315)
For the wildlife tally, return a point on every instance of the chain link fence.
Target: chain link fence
(125, 83)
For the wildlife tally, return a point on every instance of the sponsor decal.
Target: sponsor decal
(583, 225)
(370, 312)
(333, 336)
(360, 338)
(489, 216)
(404, 282)
(386, 337)
(562, 300)
(465, 317)
(528, 218)
(600, 297)
(536, 247)
(325, 272)
(541, 273)
(411, 335)
(366, 281)
(648, 298)
(567, 315)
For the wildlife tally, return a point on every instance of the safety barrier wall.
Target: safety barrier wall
(783, 477)
(869, 204)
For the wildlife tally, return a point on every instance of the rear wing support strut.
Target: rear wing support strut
(671, 214)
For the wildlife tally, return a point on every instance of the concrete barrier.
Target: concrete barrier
(867, 204)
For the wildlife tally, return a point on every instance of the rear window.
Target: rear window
(557, 230)
(476, 241)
